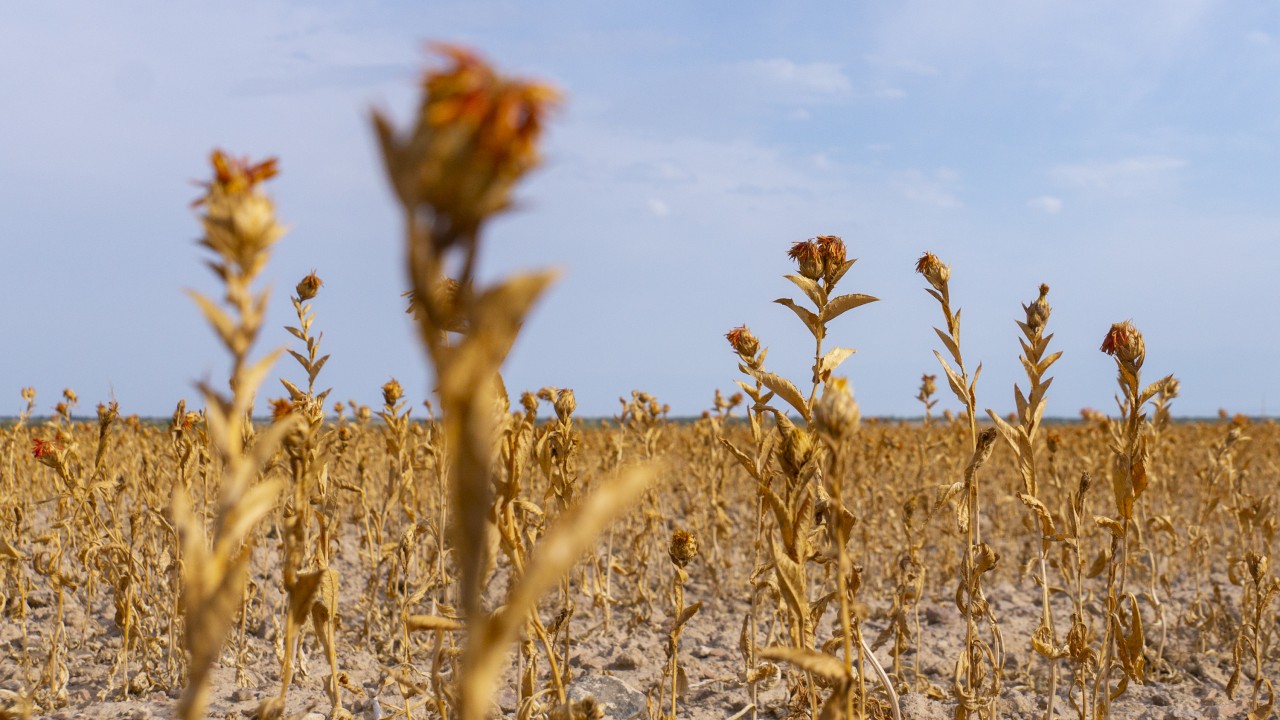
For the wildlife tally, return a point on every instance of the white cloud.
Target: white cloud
(1123, 176)
(910, 67)
(1047, 204)
(934, 188)
(819, 78)
(658, 207)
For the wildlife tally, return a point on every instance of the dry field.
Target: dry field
(780, 557)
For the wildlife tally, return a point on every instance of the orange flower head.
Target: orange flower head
(280, 409)
(43, 448)
(808, 255)
(1124, 342)
(235, 176)
(934, 271)
(743, 342)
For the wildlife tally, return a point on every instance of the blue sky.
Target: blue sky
(1124, 153)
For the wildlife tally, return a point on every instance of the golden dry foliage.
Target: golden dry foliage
(209, 559)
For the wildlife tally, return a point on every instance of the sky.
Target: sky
(1123, 153)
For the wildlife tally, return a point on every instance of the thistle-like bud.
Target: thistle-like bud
(29, 394)
(683, 548)
(280, 409)
(743, 342)
(1038, 311)
(934, 271)
(309, 286)
(836, 413)
(1258, 566)
(392, 392)
(107, 413)
(1124, 342)
(834, 255)
(566, 403)
(928, 386)
(529, 402)
(70, 396)
(808, 255)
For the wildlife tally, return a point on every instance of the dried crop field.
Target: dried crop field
(779, 557)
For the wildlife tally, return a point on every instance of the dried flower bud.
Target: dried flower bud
(280, 409)
(566, 403)
(41, 448)
(808, 255)
(1124, 342)
(1038, 311)
(70, 396)
(934, 271)
(928, 385)
(29, 394)
(743, 342)
(1053, 441)
(392, 392)
(683, 548)
(836, 412)
(107, 413)
(309, 286)
(529, 402)
(834, 256)
(1258, 566)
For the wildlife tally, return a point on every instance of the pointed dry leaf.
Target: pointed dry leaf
(811, 320)
(837, 306)
(784, 388)
(819, 663)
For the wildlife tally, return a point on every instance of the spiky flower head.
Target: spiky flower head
(476, 135)
(934, 271)
(239, 221)
(743, 342)
(309, 286)
(392, 392)
(29, 394)
(280, 409)
(40, 448)
(683, 548)
(1039, 310)
(1124, 342)
(108, 413)
(808, 255)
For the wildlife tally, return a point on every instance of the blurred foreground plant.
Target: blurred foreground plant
(474, 137)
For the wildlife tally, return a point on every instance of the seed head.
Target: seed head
(29, 394)
(392, 392)
(1124, 342)
(309, 286)
(683, 548)
(928, 385)
(934, 271)
(743, 342)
